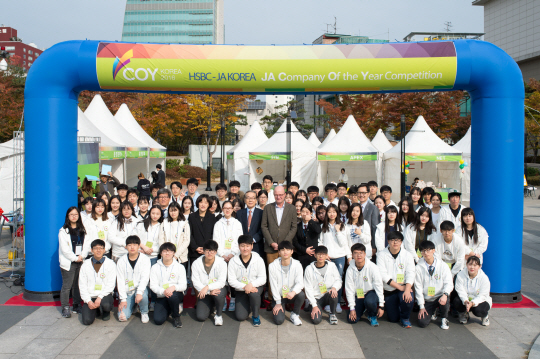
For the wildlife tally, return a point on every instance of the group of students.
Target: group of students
(298, 248)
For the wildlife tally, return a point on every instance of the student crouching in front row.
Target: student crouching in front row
(97, 280)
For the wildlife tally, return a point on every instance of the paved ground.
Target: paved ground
(40, 332)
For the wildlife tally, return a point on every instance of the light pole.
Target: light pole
(208, 168)
(403, 155)
(289, 152)
(222, 172)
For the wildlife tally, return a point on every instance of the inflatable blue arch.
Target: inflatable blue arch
(491, 77)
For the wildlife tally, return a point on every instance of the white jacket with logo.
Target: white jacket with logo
(150, 237)
(118, 237)
(313, 280)
(65, 247)
(380, 235)
(477, 288)
(173, 275)
(223, 232)
(390, 267)
(369, 278)
(140, 275)
(364, 238)
(409, 241)
(88, 278)
(336, 242)
(451, 253)
(178, 233)
(217, 278)
(441, 280)
(294, 279)
(100, 226)
(446, 215)
(481, 246)
(255, 273)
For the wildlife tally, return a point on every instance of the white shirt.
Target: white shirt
(279, 212)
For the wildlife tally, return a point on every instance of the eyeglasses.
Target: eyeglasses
(163, 197)
(363, 193)
(426, 250)
(98, 248)
(74, 215)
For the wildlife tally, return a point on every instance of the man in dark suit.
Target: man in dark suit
(251, 219)
(370, 212)
(278, 224)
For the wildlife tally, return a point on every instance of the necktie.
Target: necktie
(343, 218)
(249, 219)
(430, 270)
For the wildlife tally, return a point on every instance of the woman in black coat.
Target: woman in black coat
(307, 237)
(201, 224)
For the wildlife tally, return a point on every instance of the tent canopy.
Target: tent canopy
(329, 137)
(380, 142)
(314, 140)
(125, 119)
(277, 144)
(464, 145)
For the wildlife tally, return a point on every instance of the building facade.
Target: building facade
(174, 21)
(12, 44)
(514, 26)
(254, 111)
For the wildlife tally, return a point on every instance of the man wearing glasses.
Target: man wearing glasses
(164, 198)
(370, 213)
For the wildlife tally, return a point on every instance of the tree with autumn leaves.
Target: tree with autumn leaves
(11, 98)
(532, 117)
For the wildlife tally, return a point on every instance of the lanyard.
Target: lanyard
(154, 233)
(358, 274)
(177, 228)
(319, 274)
(475, 286)
(288, 275)
(226, 228)
(353, 229)
(129, 266)
(96, 276)
(166, 271)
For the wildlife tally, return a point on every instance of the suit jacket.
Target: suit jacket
(305, 239)
(274, 233)
(255, 229)
(371, 215)
(200, 231)
(111, 184)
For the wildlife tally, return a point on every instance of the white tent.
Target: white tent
(329, 137)
(269, 158)
(110, 152)
(464, 145)
(381, 143)
(314, 140)
(7, 157)
(238, 156)
(430, 158)
(157, 152)
(136, 151)
(349, 149)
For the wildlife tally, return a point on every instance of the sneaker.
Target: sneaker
(151, 307)
(177, 323)
(232, 305)
(444, 323)
(435, 314)
(77, 309)
(225, 306)
(218, 320)
(256, 321)
(485, 321)
(144, 318)
(106, 316)
(295, 319)
(406, 323)
(327, 309)
(180, 308)
(122, 317)
(338, 309)
(66, 312)
(333, 319)
(463, 317)
(373, 321)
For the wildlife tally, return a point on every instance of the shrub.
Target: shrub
(187, 160)
(533, 180)
(195, 172)
(171, 163)
(532, 171)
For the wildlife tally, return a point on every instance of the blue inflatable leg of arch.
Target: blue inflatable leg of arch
(491, 77)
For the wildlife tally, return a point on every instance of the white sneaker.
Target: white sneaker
(327, 309)
(485, 321)
(180, 308)
(338, 309)
(333, 319)
(295, 319)
(463, 317)
(218, 320)
(151, 307)
(122, 317)
(444, 323)
(144, 318)
(232, 305)
(435, 316)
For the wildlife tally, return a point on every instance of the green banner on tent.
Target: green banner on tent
(230, 156)
(157, 153)
(368, 156)
(428, 157)
(111, 155)
(268, 156)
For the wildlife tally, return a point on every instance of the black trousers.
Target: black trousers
(89, 315)
(481, 310)
(325, 300)
(167, 306)
(430, 307)
(298, 300)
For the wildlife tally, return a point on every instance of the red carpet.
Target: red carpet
(525, 303)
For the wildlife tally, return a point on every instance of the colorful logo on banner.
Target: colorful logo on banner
(120, 63)
(269, 69)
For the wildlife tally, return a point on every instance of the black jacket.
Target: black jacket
(309, 238)
(161, 178)
(200, 232)
(255, 229)
(143, 187)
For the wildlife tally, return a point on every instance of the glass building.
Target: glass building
(174, 21)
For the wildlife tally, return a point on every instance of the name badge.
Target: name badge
(78, 250)
(470, 299)
(418, 253)
(97, 287)
(101, 235)
(431, 291)
(245, 280)
(400, 278)
(212, 280)
(149, 244)
(228, 243)
(322, 287)
(284, 291)
(166, 285)
(131, 286)
(360, 293)
(450, 265)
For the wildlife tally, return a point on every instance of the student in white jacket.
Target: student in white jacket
(226, 233)
(390, 224)
(475, 237)
(168, 280)
(144, 204)
(396, 266)
(286, 283)
(209, 277)
(124, 226)
(432, 286)
(363, 287)
(247, 275)
(422, 230)
(100, 223)
(472, 287)
(132, 277)
(357, 229)
(176, 230)
(334, 238)
(450, 248)
(74, 240)
(97, 280)
(322, 282)
(452, 212)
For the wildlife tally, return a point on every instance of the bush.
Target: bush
(173, 153)
(532, 171)
(171, 163)
(195, 172)
(187, 160)
(183, 171)
(533, 180)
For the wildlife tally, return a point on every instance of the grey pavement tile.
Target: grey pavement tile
(65, 328)
(42, 316)
(75, 356)
(17, 337)
(43, 348)
(525, 330)
(339, 344)
(289, 333)
(85, 343)
(260, 343)
(300, 350)
(223, 342)
(325, 324)
(10, 319)
(7, 356)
